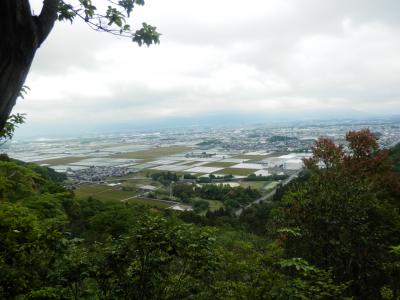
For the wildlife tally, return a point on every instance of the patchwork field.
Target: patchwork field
(221, 164)
(61, 161)
(152, 153)
(277, 154)
(252, 157)
(171, 168)
(189, 163)
(238, 172)
(202, 169)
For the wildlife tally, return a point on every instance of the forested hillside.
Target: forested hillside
(334, 233)
(395, 156)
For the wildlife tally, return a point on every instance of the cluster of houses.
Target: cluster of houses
(96, 173)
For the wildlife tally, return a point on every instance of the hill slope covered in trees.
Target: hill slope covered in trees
(332, 234)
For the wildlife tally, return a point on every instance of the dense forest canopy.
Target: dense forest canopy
(333, 233)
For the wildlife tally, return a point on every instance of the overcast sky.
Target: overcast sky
(220, 57)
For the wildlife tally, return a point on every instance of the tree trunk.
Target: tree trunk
(21, 34)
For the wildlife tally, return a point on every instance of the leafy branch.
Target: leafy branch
(11, 125)
(113, 20)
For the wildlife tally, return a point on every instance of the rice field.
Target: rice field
(189, 163)
(61, 161)
(251, 157)
(238, 172)
(202, 169)
(171, 168)
(152, 153)
(247, 166)
(221, 164)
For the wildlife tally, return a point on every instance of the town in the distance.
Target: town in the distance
(187, 168)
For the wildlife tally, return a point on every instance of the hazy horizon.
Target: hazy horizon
(26, 131)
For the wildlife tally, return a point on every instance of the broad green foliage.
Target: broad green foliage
(157, 259)
(310, 282)
(18, 180)
(27, 251)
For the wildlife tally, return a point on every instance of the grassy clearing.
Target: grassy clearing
(234, 171)
(258, 185)
(61, 161)
(136, 183)
(90, 190)
(114, 194)
(103, 192)
(150, 202)
(219, 164)
(215, 205)
(106, 193)
(152, 153)
(271, 185)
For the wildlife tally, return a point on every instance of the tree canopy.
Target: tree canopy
(56, 246)
(345, 217)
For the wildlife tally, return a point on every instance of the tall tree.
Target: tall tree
(345, 216)
(22, 33)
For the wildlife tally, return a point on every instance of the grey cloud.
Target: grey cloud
(305, 56)
(69, 46)
(301, 18)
